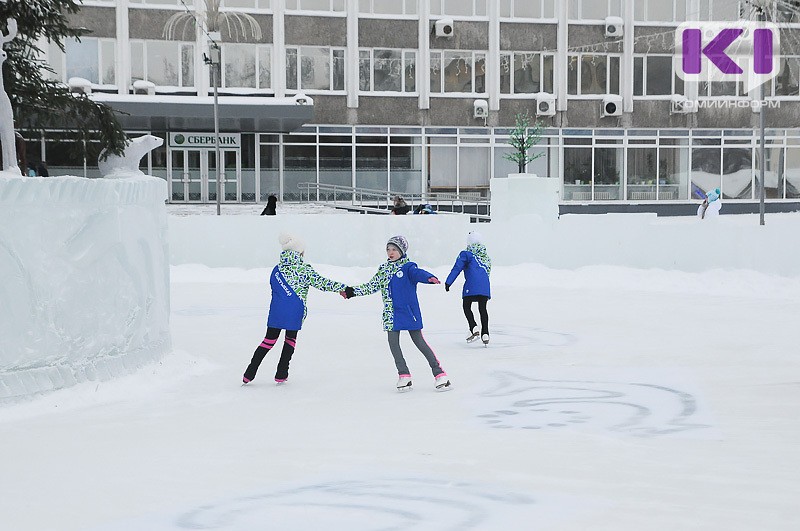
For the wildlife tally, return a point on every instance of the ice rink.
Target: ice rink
(609, 398)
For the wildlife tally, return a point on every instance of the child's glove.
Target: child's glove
(348, 292)
(433, 280)
(446, 286)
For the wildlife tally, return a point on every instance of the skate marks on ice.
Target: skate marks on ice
(376, 505)
(637, 404)
(513, 337)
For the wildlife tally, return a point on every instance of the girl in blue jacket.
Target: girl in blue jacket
(289, 280)
(476, 265)
(397, 280)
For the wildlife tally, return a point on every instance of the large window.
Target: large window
(314, 68)
(787, 82)
(590, 74)
(246, 66)
(388, 7)
(594, 9)
(165, 63)
(91, 59)
(722, 10)
(458, 71)
(245, 4)
(316, 5)
(459, 8)
(387, 70)
(516, 9)
(526, 72)
(653, 76)
(659, 10)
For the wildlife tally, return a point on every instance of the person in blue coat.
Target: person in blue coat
(289, 281)
(474, 261)
(397, 280)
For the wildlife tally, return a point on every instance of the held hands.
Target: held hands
(348, 292)
(446, 286)
(433, 280)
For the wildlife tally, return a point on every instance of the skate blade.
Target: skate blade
(471, 339)
(444, 387)
(405, 389)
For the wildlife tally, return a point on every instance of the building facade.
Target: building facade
(415, 96)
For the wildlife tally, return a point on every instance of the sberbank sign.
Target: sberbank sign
(204, 140)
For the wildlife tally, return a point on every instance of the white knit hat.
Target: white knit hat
(474, 237)
(291, 243)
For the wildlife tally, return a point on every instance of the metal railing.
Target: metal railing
(382, 201)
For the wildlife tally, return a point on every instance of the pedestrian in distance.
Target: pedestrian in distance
(400, 207)
(271, 208)
(710, 206)
(397, 280)
(289, 281)
(476, 265)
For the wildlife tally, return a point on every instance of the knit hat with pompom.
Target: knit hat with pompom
(400, 242)
(474, 237)
(291, 243)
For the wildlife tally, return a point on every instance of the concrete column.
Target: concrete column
(123, 47)
(278, 49)
(202, 76)
(424, 57)
(562, 42)
(493, 58)
(627, 56)
(351, 62)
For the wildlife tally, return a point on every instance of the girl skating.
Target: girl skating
(397, 280)
(289, 281)
(474, 261)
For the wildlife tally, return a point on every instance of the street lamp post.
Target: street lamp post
(214, 62)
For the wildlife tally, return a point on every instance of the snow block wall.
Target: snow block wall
(85, 280)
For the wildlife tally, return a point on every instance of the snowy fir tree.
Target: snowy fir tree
(39, 101)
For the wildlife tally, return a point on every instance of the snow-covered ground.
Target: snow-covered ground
(609, 398)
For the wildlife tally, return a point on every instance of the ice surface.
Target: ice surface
(85, 283)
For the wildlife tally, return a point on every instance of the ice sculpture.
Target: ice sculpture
(127, 165)
(7, 138)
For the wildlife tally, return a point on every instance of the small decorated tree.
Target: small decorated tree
(524, 137)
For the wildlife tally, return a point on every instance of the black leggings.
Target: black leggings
(289, 340)
(481, 300)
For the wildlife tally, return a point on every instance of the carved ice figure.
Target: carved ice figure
(127, 165)
(7, 137)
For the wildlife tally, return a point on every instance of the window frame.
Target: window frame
(444, 94)
(299, 81)
(522, 95)
(404, 65)
(579, 59)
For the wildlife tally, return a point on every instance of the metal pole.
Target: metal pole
(215, 67)
(761, 118)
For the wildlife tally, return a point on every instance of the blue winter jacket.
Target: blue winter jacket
(477, 266)
(290, 280)
(397, 281)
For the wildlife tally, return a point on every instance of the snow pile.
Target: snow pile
(85, 291)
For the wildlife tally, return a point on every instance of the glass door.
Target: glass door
(186, 176)
(193, 175)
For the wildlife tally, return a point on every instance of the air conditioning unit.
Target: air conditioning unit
(444, 27)
(545, 104)
(480, 109)
(146, 88)
(614, 27)
(302, 99)
(79, 85)
(681, 105)
(612, 105)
